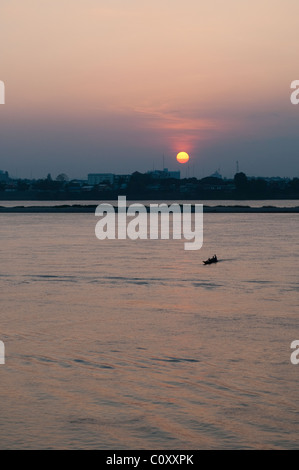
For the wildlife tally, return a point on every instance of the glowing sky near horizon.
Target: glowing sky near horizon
(97, 86)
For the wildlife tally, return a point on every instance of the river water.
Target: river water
(126, 344)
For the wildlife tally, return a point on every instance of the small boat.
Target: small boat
(212, 260)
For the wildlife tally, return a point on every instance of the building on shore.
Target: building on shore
(4, 177)
(100, 178)
(165, 174)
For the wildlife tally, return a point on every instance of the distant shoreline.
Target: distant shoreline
(77, 209)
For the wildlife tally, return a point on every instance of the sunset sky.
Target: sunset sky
(112, 85)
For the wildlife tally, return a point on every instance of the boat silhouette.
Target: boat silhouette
(212, 260)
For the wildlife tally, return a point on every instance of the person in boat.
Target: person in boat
(214, 259)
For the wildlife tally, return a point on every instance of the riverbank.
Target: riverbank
(66, 209)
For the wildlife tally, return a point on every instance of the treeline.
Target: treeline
(265, 187)
(145, 186)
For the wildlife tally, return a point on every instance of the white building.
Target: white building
(165, 174)
(4, 177)
(100, 178)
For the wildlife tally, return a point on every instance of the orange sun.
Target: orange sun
(182, 157)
